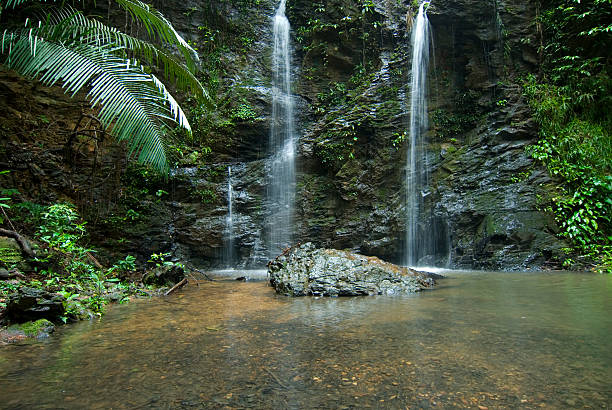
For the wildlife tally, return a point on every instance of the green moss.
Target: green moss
(33, 329)
(9, 256)
(488, 227)
(10, 253)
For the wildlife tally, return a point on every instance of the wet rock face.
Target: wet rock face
(351, 157)
(351, 161)
(307, 270)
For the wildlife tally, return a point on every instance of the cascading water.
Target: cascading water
(281, 176)
(417, 167)
(229, 223)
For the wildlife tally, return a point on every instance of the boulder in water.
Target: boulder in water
(164, 275)
(307, 270)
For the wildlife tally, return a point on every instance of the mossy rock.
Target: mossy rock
(36, 329)
(39, 329)
(165, 275)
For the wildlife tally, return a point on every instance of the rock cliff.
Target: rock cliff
(352, 70)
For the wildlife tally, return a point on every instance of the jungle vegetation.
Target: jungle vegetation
(571, 99)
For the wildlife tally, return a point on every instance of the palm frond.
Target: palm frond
(132, 103)
(80, 53)
(158, 26)
(92, 31)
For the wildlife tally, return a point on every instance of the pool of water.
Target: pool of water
(479, 340)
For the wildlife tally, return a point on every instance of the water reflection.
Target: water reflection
(490, 340)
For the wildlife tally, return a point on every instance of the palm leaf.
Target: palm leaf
(92, 31)
(158, 26)
(132, 103)
(76, 52)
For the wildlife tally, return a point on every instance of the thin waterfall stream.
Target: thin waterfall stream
(281, 176)
(229, 223)
(417, 167)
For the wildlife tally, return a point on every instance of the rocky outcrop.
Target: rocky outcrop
(307, 270)
(29, 304)
(164, 275)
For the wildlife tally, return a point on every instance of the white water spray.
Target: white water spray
(281, 177)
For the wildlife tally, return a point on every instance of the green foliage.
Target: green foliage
(337, 145)
(28, 212)
(337, 95)
(206, 195)
(333, 28)
(578, 40)
(451, 124)
(67, 48)
(571, 101)
(60, 225)
(342, 94)
(244, 112)
(162, 259)
(67, 266)
(398, 139)
(123, 266)
(6, 288)
(579, 152)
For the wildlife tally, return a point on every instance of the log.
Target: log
(177, 286)
(201, 272)
(21, 241)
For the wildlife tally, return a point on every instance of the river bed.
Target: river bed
(479, 340)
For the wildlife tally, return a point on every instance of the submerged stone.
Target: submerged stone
(307, 270)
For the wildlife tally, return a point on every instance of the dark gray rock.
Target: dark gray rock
(29, 304)
(165, 275)
(307, 270)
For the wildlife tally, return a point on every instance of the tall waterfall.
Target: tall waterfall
(417, 168)
(281, 176)
(229, 223)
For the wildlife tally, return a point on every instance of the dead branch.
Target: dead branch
(21, 241)
(177, 286)
(94, 260)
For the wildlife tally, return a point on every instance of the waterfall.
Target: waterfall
(281, 175)
(229, 223)
(417, 168)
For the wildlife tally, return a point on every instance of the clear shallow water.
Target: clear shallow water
(493, 340)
